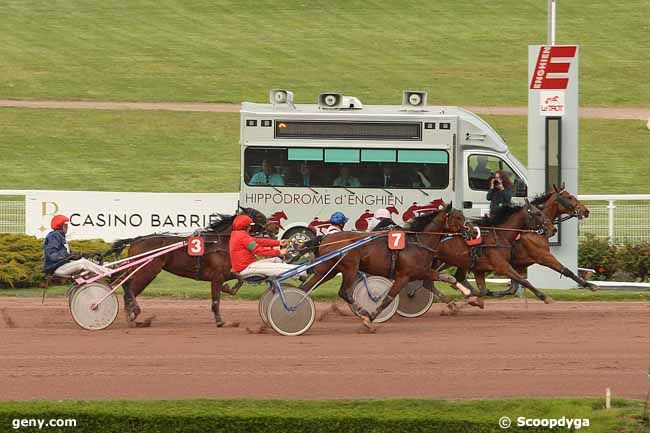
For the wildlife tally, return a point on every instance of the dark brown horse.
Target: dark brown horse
(412, 263)
(495, 253)
(213, 266)
(533, 248)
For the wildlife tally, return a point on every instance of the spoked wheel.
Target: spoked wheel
(414, 300)
(87, 310)
(377, 288)
(263, 305)
(287, 322)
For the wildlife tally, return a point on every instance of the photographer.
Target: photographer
(500, 193)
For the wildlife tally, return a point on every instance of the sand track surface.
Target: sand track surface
(506, 350)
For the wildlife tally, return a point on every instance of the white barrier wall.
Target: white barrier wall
(118, 215)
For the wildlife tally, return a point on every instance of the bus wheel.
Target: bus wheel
(298, 237)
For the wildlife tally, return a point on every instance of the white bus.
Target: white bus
(300, 163)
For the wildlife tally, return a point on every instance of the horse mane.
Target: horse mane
(420, 222)
(219, 222)
(540, 199)
(500, 216)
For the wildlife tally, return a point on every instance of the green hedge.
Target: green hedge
(247, 416)
(629, 262)
(21, 258)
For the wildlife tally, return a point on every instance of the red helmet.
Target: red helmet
(241, 222)
(58, 221)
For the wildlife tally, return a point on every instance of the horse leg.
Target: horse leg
(367, 317)
(131, 306)
(133, 287)
(505, 268)
(216, 299)
(461, 275)
(453, 282)
(428, 284)
(551, 262)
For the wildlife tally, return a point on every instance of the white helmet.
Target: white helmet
(382, 213)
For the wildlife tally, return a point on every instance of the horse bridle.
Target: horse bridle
(567, 205)
(538, 224)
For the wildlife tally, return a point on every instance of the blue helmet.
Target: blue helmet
(338, 218)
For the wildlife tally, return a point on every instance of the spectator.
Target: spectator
(267, 176)
(500, 193)
(345, 179)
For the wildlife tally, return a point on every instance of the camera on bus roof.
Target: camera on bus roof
(337, 101)
(281, 96)
(414, 99)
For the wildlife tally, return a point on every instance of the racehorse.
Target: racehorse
(533, 248)
(213, 266)
(375, 258)
(495, 253)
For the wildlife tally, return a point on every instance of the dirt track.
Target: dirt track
(506, 350)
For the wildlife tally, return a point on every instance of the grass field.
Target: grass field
(341, 415)
(163, 151)
(200, 50)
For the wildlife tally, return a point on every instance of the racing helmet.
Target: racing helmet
(338, 218)
(58, 221)
(382, 213)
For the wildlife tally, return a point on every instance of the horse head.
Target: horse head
(568, 204)
(537, 220)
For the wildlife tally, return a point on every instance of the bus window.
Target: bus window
(480, 168)
(346, 168)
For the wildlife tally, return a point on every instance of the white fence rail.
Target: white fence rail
(617, 218)
(12, 216)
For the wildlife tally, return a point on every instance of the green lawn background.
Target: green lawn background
(463, 53)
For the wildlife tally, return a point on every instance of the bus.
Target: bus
(302, 162)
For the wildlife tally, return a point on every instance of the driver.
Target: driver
(58, 260)
(381, 220)
(244, 248)
(337, 222)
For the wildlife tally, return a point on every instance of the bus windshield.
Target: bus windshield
(315, 167)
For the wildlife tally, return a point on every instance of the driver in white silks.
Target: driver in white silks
(381, 220)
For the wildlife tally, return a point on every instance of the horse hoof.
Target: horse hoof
(592, 287)
(476, 302)
(220, 323)
(549, 300)
(368, 324)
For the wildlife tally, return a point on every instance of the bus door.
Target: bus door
(479, 168)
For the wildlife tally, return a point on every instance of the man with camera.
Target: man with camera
(500, 193)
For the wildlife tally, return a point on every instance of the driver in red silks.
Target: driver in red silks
(244, 248)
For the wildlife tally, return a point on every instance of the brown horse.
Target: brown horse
(412, 263)
(213, 266)
(495, 253)
(533, 248)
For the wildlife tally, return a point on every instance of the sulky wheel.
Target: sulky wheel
(375, 287)
(263, 306)
(87, 310)
(287, 322)
(414, 300)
